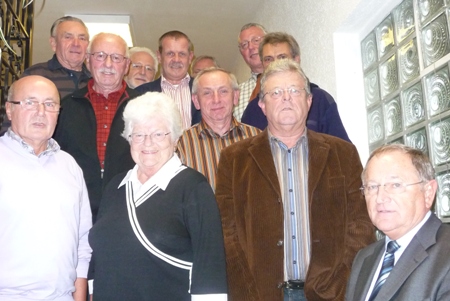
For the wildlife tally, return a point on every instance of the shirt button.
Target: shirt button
(104, 143)
(105, 126)
(295, 262)
(106, 108)
(293, 236)
(279, 243)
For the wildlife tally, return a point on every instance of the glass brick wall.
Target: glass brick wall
(405, 61)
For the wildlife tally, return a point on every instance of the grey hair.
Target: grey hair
(148, 106)
(231, 78)
(274, 38)
(204, 57)
(134, 50)
(420, 161)
(281, 66)
(55, 25)
(250, 25)
(101, 34)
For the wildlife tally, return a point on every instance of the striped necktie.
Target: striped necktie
(386, 268)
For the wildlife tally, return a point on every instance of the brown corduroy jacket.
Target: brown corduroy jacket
(249, 198)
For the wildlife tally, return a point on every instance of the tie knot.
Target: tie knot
(392, 246)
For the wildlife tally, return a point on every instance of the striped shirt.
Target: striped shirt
(199, 147)
(67, 81)
(246, 89)
(292, 170)
(181, 94)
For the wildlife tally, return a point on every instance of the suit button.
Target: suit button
(279, 243)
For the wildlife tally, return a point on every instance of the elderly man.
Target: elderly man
(248, 42)
(175, 53)
(44, 207)
(215, 92)
(90, 123)
(323, 115)
(143, 67)
(69, 39)
(411, 262)
(203, 62)
(292, 215)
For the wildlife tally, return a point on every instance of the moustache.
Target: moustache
(176, 65)
(107, 70)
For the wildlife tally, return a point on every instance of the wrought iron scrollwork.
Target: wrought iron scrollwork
(16, 19)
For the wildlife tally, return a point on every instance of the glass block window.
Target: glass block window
(406, 66)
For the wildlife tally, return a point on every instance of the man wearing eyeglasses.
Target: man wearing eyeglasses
(292, 215)
(44, 207)
(323, 115)
(90, 122)
(412, 261)
(249, 38)
(175, 53)
(143, 67)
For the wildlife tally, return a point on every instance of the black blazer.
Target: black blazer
(155, 86)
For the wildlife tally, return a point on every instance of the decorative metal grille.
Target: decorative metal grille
(405, 62)
(16, 19)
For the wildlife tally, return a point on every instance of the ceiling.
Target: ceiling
(211, 25)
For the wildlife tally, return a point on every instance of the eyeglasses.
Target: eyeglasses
(392, 188)
(33, 105)
(277, 93)
(139, 66)
(101, 57)
(255, 41)
(155, 137)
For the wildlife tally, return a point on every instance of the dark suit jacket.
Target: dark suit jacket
(249, 198)
(76, 133)
(422, 272)
(155, 86)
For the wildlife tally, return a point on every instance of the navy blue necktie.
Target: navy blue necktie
(386, 268)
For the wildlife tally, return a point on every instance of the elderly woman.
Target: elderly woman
(158, 234)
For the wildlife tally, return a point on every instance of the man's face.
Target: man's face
(275, 52)
(70, 44)
(108, 75)
(397, 214)
(175, 59)
(142, 69)
(202, 64)
(252, 36)
(288, 110)
(215, 97)
(35, 127)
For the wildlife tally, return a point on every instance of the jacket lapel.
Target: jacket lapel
(261, 153)
(367, 271)
(318, 151)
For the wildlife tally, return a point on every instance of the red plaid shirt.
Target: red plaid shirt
(105, 109)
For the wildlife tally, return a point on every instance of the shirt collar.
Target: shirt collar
(52, 145)
(274, 140)
(184, 81)
(54, 64)
(161, 178)
(114, 96)
(205, 130)
(404, 241)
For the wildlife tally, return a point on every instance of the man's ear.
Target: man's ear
(262, 105)
(53, 43)
(195, 101)
(236, 94)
